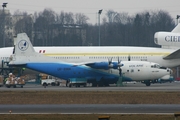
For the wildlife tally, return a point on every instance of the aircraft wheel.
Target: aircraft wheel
(53, 84)
(106, 84)
(44, 84)
(94, 84)
(148, 83)
(58, 84)
(100, 83)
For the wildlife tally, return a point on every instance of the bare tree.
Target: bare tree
(5, 27)
(111, 15)
(61, 18)
(162, 20)
(42, 27)
(117, 28)
(69, 18)
(81, 19)
(121, 18)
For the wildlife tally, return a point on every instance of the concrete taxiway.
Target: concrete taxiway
(91, 108)
(174, 86)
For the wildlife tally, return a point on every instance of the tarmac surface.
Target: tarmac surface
(94, 108)
(174, 86)
(91, 108)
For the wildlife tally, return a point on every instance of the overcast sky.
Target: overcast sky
(91, 7)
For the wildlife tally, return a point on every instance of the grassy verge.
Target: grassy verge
(84, 117)
(89, 97)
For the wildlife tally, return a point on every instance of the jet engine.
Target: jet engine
(167, 39)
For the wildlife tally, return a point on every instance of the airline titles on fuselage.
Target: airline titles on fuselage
(172, 38)
(140, 65)
(59, 69)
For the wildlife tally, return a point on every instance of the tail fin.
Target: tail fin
(24, 52)
(176, 29)
(23, 45)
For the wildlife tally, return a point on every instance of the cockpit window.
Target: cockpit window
(162, 67)
(155, 66)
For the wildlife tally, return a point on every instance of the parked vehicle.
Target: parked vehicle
(13, 81)
(49, 80)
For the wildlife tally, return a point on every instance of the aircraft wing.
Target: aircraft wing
(102, 65)
(174, 55)
(85, 63)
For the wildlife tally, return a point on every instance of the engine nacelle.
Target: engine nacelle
(167, 39)
(116, 65)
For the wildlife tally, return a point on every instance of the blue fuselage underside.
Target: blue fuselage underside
(66, 71)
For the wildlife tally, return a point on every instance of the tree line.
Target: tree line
(48, 28)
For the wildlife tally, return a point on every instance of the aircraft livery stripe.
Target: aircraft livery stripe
(104, 54)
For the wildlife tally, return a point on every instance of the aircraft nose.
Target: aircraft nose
(170, 71)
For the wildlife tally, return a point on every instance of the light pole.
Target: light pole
(99, 13)
(4, 5)
(32, 27)
(178, 16)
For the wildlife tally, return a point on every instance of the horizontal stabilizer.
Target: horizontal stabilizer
(174, 55)
(17, 64)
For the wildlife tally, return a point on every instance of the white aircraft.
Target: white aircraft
(168, 55)
(98, 72)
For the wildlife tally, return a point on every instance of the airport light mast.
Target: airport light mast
(178, 16)
(4, 5)
(99, 13)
